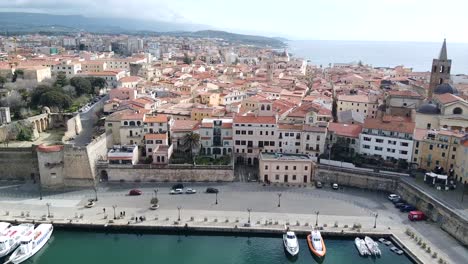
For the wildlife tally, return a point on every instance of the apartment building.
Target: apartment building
(253, 135)
(388, 138)
(358, 103)
(286, 168)
(313, 139)
(127, 154)
(349, 133)
(68, 67)
(216, 136)
(153, 141)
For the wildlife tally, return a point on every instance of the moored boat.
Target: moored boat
(4, 226)
(397, 250)
(372, 246)
(316, 244)
(11, 238)
(290, 243)
(361, 247)
(31, 243)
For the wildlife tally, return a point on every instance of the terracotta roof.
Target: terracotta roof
(393, 125)
(134, 116)
(345, 130)
(184, 125)
(447, 98)
(255, 119)
(156, 119)
(354, 98)
(47, 149)
(161, 136)
(419, 133)
(405, 94)
(130, 79)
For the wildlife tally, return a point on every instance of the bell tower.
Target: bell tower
(440, 71)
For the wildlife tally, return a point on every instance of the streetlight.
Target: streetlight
(249, 210)
(95, 189)
(216, 202)
(156, 193)
(316, 218)
(375, 221)
(48, 209)
(178, 208)
(114, 206)
(279, 199)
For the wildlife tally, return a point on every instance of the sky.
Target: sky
(394, 20)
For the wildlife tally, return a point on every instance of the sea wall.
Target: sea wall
(18, 164)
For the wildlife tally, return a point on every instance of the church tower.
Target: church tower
(270, 68)
(440, 72)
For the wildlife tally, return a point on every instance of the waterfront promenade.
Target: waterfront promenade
(298, 207)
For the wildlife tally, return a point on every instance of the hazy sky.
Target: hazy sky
(399, 20)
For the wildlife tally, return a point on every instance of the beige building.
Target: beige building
(70, 68)
(286, 168)
(363, 104)
(93, 66)
(461, 161)
(36, 73)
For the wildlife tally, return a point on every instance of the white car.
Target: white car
(177, 191)
(393, 196)
(190, 191)
(335, 186)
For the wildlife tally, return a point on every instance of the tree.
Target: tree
(38, 92)
(61, 80)
(70, 90)
(18, 73)
(154, 200)
(15, 102)
(187, 59)
(82, 85)
(3, 80)
(190, 141)
(55, 98)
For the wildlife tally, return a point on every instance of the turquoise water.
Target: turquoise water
(86, 247)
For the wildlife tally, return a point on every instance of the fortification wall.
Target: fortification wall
(18, 163)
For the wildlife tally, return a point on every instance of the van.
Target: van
(416, 216)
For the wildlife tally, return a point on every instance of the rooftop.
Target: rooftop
(284, 156)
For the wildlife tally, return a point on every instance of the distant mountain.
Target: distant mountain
(20, 23)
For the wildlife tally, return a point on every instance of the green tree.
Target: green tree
(55, 98)
(18, 74)
(82, 85)
(61, 80)
(24, 135)
(190, 141)
(3, 80)
(38, 92)
(187, 59)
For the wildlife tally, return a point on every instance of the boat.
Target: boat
(397, 250)
(316, 244)
(31, 243)
(4, 227)
(11, 238)
(372, 246)
(385, 242)
(361, 247)
(290, 243)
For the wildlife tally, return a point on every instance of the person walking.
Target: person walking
(103, 210)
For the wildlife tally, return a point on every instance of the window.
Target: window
(431, 147)
(261, 133)
(416, 152)
(306, 167)
(366, 146)
(286, 167)
(378, 148)
(318, 138)
(294, 167)
(249, 151)
(237, 142)
(379, 140)
(404, 144)
(403, 152)
(250, 132)
(443, 154)
(243, 132)
(453, 156)
(109, 125)
(294, 177)
(277, 167)
(367, 139)
(237, 132)
(277, 177)
(266, 167)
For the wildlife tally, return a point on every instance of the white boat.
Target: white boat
(372, 246)
(361, 247)
(290, 243)
(397, 250)
(316, 244)
(4, 226)
(31, 243)
(10, 240)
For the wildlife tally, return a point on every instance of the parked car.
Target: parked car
(335, 186)
(398, 200)
(211, 190)
(177, 191)
(407, 208)
(416, 216)
(318, 184)
(177, 186)
(399, 204)
(135, 192)
(190, 191)
(393, 196)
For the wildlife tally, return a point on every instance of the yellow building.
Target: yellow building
(286, 168)
(362, 104)
(461, 161)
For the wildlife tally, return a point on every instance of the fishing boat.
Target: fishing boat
(4, 226)
(31, 243)
(361, 247)
(372, 246)
(316, 244)
(11, 238)
(290, 243)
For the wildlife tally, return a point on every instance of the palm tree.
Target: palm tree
(190, 141)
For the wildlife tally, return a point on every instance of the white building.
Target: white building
(5, 116)
(216, 136)
(286, 168)
(70, 68)
(387, 138)
(123, 155)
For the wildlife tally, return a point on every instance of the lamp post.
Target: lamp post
(249, 210)
(48, 209)
(178, 208)
(279, 199)
(216, 195)
(155, 193)
(375, 220)
(114, 206)
(95, 189)
(316, 218)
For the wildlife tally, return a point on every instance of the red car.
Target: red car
(134, 192)
(416, 216)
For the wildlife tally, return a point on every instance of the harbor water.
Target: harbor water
(118, 248)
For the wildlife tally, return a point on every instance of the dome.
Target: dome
(445, 88)
(429, 109)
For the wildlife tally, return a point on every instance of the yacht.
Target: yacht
(290, 243)
(361, 247)
(316, 243)
(31, 243)
(4, 226)
(12, 237)
(372, 246)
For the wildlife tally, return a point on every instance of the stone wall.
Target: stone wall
(360, 180)
(73, 127)
(18, 163)
(171, 174)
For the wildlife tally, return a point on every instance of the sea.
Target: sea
(72, 247)
(416, 55)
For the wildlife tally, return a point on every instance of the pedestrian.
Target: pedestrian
(124, 213)
(104, 210)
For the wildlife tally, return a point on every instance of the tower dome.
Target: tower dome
(428, 109)
(445, 88)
